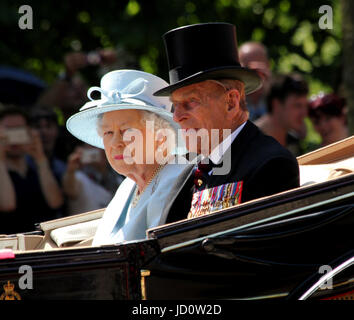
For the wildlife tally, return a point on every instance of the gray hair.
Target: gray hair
(229, 84)
(159, 122)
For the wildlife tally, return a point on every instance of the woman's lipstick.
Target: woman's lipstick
(118, 157)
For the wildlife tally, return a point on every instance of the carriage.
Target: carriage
(296, 244)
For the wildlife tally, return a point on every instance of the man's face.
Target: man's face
(200, 106)
(293, 111)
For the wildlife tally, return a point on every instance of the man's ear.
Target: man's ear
(233, 100)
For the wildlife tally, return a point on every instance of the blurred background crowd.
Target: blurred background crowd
(45, 173)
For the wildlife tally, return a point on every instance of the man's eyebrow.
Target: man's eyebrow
(188, 93)
(191, 92)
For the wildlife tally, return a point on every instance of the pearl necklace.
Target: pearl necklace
(137, 196)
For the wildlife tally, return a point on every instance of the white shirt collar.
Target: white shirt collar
(218, 152)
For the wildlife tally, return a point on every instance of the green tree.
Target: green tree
(288, 28)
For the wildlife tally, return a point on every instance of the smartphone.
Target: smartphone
(17, 135)
(93, 58)
(90, 156)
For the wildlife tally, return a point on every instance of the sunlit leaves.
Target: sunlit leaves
(293, 61)
(284, 6)
(330, 49)
(303, 37)
(315, 86)
(84, 17)
(289, 29)
(258, 34)
(33, 64)
(245, 4)
(148, 62)
(132, 8)
(223, 3)
(269, 17)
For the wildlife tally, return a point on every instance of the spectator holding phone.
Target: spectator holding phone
(29, 192)
(89, 182)
(44, 119)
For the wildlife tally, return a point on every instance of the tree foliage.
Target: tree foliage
(289, 29)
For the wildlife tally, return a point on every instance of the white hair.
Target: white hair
(159, 122)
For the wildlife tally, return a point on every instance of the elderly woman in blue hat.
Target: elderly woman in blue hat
(139, 136)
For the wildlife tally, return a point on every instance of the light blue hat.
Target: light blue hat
(121, 90)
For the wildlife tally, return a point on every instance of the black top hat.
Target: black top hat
(202, 52)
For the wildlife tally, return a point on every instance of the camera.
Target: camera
(17, 135)
(90, 156)
(93, 58)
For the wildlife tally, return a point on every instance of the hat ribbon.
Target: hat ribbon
(133, 89)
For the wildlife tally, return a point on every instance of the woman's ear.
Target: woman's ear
(160, 138)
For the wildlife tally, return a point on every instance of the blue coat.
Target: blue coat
(121, 222)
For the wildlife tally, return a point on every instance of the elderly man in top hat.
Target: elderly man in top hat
(208, 88)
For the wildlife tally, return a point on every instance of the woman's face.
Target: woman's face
(329, 127)
(125, 140)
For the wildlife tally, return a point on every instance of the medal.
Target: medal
(216, 198)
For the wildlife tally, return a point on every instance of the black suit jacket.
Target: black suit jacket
(264, 166)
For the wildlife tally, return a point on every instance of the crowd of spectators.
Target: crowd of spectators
(283, 109)
(45, 172)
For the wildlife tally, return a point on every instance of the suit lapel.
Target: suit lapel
(181, 204)
(237, 150)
